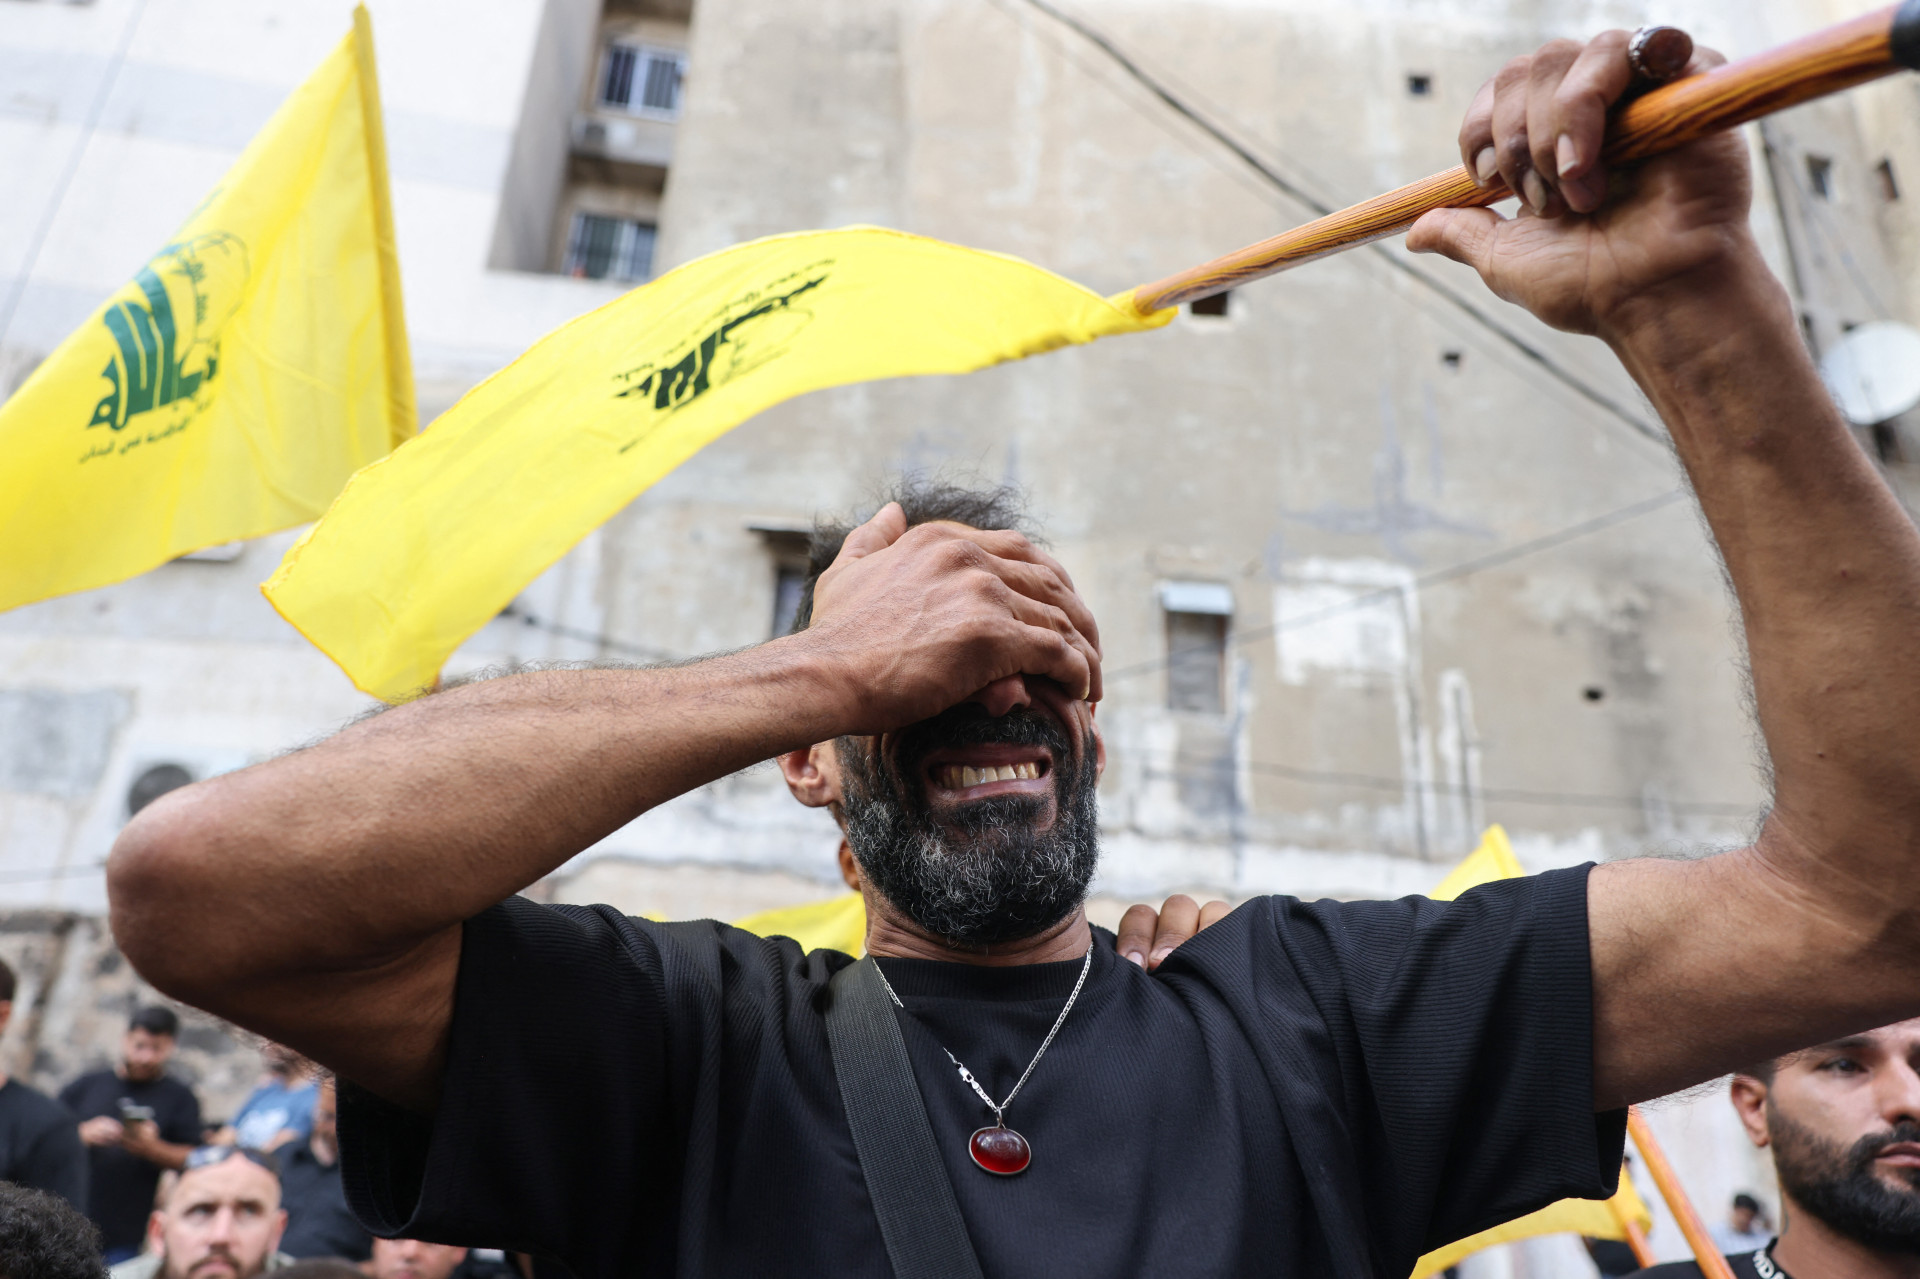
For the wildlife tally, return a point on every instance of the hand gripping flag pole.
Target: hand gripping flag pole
(422, 548)
(1840, 57)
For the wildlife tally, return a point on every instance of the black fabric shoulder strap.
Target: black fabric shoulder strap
(919, 1217)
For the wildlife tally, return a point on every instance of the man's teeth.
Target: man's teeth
(959, 777)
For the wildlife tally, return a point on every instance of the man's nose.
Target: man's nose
(1004, 695)
(1899, 1092)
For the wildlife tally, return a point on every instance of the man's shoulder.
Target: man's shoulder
(92, 1084)
(601, 941)
(35, 1108)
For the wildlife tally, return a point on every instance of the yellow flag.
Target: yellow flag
(248, 369)
(839, 923)
(423, 548)
(1597, 1218)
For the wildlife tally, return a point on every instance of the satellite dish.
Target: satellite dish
(1874, 372)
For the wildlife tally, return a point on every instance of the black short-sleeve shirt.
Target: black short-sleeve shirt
(40, 1144)
(1305, 1089)
(120, 1193)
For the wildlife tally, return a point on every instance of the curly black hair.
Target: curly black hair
(43, 1237)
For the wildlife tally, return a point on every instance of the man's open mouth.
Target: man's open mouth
(979, 772)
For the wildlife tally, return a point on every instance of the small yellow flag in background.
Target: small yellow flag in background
(248, 369)
(1596, 1218)
(423, 548)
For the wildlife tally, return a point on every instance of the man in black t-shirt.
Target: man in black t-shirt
(137, 1122)
(319, 1223)
(1843, 1122)
(39, 1141)
(1321, 1090)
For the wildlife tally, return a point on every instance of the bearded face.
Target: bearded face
(981, 830)
(1842, 1186)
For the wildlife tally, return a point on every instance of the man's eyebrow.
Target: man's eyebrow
(1851, 1043)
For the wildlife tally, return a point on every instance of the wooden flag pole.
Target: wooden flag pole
(1705, 1251)
(1842, 56)
(1636, 1237)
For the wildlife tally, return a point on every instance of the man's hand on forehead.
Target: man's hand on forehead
(921, 619)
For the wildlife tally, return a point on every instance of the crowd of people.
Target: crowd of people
(121, 1174)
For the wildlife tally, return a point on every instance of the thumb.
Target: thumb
(1465, 235)
(877, 534)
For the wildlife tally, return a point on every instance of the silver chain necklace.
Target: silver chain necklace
(999, 1149)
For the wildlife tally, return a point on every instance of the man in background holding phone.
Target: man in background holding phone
(136, 1122)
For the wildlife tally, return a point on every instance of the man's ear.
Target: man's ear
(1749, 1097)
(813, 775)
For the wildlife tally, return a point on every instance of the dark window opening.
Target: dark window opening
(1593, 692)
(604, 248)
(1451, 358)
(154, 783)
(1197, 662)
(1889, 185)
(643, 79)
(1820, 176)
(1886, 442)
(1215, 305)
(1419, 86)
(788, 580)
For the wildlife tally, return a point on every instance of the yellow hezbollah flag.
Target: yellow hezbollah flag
(839, 923)
(247, 370)
(1597, 1218)
(424, 547)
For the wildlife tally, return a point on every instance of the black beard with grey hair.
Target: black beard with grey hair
(1840, 1187)
(985, 876)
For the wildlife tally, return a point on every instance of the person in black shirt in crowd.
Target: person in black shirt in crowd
(1843, 1122)
(1305, 1089)
(137, 1121)
(39, 1140)
(319, 1223)
(219, 1217)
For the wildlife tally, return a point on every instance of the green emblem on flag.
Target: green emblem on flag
(168, 333)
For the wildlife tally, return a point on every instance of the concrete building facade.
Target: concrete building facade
(1378, 559)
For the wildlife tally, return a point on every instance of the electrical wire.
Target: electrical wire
(1452, 573)
(1245, 154)
(59, 196)
(1188, 766)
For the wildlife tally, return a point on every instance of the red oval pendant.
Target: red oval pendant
(1001, 1151)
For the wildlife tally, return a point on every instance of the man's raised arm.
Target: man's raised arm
(1814, 931)
(318, 898)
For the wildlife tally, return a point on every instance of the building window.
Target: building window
(1197, 617)
(1889, 185)
(1820, 176)
(788, 581)
(643, 80)
(1419, 86)
(604, 248)
(1215, 305)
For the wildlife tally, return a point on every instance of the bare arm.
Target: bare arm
(1814, 931)
(376, 844)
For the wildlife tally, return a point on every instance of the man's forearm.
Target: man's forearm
(1827, 568)
(420, 817)
(1825, 562)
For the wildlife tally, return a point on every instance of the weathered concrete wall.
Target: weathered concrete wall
(1460, 592)
(71, 1007)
